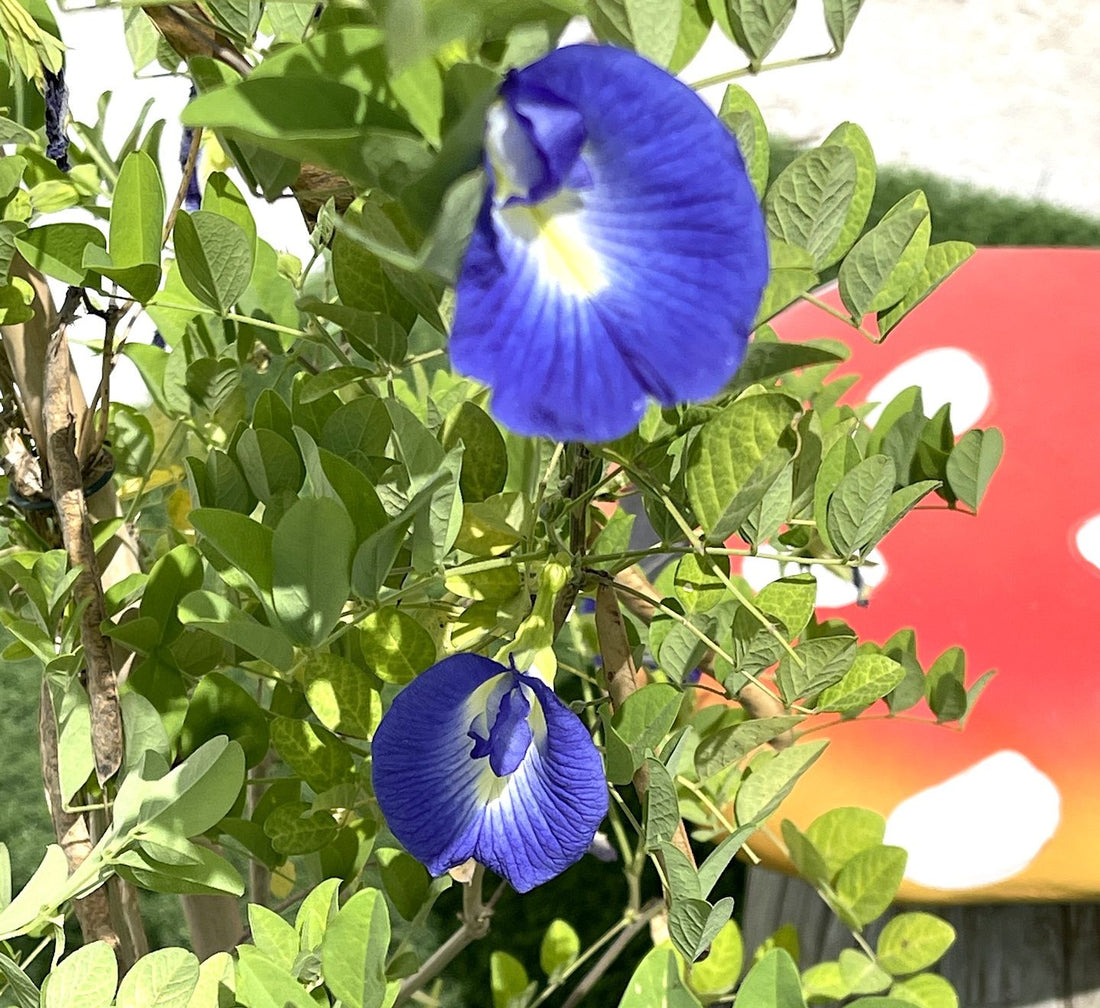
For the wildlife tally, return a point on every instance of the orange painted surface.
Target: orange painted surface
(1011, 586)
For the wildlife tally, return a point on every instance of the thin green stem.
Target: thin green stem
(131, 511)
(837, 314)
(752, 71)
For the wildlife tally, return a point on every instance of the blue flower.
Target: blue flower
(475, 760)
(619, 252)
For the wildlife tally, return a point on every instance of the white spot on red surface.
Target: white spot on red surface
(944, 375)
(981, 826)
(1088, 541)
(834, 591)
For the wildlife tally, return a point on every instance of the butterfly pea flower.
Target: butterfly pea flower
(476, 760)
(619, 253)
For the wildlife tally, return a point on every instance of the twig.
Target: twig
(93, 911)
(181, 192)
(622, 681)
(67, 491)
(476, 918)
(102, 398)
(600, 967)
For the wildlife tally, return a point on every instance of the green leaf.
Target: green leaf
(654, 27)
(858, 508)
(16, 298)
(772, 983)
(662, 807)
(22, 988)
(728, 745)
(697, 590)
(244, 543)
(852, 138)
(485, 460)
(218, 616)
(137, 214)
(272, 935)
(270, 464)
(239, 18)
(219, 706)
(693, 924)
(792, 274)
(190, 798)
(341, 695)
(912, 942)
(718, 973)
(825, 660)
(405, 879)
(85, 979)
(944, 685)
(680, 873)
(804, 855)
(215, 257)
(718, 860)
(313, 753)
(295, 828)
(316, 912)
(397, 647)
(758, 24)
(823, 981)
(641, 723)
(808, 205)
(656, 983)
(868, 883)
(264, 984)
(940, 261)
(24, 909)
(768, 784)
(839, 17)
(925, 991)
(860, 973)
(162, 979)
(58, 250)
(741, 116)
(735, 458)
(216, 982)
(840, 834)
(353, 952)
(141, 280)
(507, 979)
(972, 462)
(870, 678)
(885, 261)
(311, 551)
(175, 574)
(559, 948)
(791, 600)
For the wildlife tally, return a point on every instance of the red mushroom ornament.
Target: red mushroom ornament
(1009, 807)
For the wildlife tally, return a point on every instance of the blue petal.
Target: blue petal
(424, 778)
(640, 275)
(446, 802)
(549, 811)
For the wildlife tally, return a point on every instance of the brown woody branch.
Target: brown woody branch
(67, 491)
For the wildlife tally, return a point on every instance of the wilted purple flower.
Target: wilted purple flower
(57, 111)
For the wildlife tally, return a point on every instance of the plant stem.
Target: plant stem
(476, 918)
(837, 314)
(752, 71)
(614, 950)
